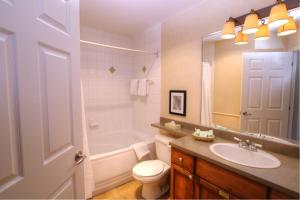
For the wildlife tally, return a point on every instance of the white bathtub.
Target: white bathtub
(113, 158)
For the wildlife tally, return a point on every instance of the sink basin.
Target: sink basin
(235, 154)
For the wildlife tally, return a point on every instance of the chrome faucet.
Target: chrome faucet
(247, 144)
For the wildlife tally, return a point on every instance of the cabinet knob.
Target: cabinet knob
(224, 194)
(180, 159)
(191, 177)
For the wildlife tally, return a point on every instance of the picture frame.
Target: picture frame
(177, 102)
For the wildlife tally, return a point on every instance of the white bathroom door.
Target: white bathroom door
(40, 117)
(266, 93)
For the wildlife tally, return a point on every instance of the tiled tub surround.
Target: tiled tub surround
(109, 106)
(147, 109)
(116, 120)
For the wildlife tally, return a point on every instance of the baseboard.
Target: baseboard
(112, 183)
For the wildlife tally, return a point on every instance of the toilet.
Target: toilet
(154, 174)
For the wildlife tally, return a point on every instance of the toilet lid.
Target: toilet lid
(148, 168)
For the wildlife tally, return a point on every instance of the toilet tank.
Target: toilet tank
(163, 149)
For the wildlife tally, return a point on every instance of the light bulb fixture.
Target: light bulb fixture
(229, 29)
(263, 32)
(251, 23)
(288, 28)
(279, 14)
(241, 38)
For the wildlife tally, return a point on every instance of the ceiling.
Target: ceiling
(129, 17)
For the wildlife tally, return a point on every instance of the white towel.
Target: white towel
(143, 87)
(134, 84)
(141, 150)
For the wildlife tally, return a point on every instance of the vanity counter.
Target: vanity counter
(284, 178)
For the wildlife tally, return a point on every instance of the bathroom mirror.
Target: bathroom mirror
(252, 88)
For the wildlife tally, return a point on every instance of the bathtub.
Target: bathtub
(113, 158)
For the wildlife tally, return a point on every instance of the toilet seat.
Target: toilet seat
(159, 172)
(148, 168)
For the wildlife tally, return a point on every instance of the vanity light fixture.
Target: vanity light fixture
(241, 38)
(229, 29)
(263, 32)
(251, 23)
(288, 28)
(279, 14)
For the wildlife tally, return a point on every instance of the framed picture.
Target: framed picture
(177, 102)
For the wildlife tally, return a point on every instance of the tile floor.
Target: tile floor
(131, 190)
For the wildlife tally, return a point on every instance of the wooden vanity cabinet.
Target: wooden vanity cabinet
(182, 184)
(193, 178)
(182, 175)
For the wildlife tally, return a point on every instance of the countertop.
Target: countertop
(284, 178)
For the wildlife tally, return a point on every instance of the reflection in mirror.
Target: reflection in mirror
(252, 88)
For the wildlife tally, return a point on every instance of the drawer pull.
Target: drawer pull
(223, 194)
(191, 177)
(180, 160)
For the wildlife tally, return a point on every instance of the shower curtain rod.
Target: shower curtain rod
(116, 47)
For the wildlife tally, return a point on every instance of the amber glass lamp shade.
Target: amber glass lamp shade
(241, 38)
(229, 29)
(279, 15)
(263, 32)
(288, 28)
(251, 23)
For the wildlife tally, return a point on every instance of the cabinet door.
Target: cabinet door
(206, 190)
(182, 183)
(240, 186)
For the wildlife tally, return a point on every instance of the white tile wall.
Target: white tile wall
(146, 110)
(107, 99)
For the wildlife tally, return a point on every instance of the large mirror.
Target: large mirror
(252, 88)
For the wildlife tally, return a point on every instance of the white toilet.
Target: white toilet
(154, 174)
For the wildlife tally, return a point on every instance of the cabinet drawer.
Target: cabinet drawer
(239, 186)
(206, 190)
(183, 160)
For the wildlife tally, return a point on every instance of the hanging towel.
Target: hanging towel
(134, 84)
(141, 150)
(206, 101)
(143, 88)
(89, 185)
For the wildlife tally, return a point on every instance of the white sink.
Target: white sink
(233, 153)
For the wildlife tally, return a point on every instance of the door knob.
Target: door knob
(247, 114)
(79, 158)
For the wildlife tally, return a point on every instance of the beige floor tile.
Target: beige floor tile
(131, 190)
(126, 191)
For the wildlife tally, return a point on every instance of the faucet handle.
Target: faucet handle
(257, 145)
(237, 139)
(254, 146)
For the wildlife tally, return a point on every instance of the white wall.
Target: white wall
(147, 109)
(107, 99)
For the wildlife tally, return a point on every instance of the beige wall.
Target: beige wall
(182, 49)
(228, 77)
